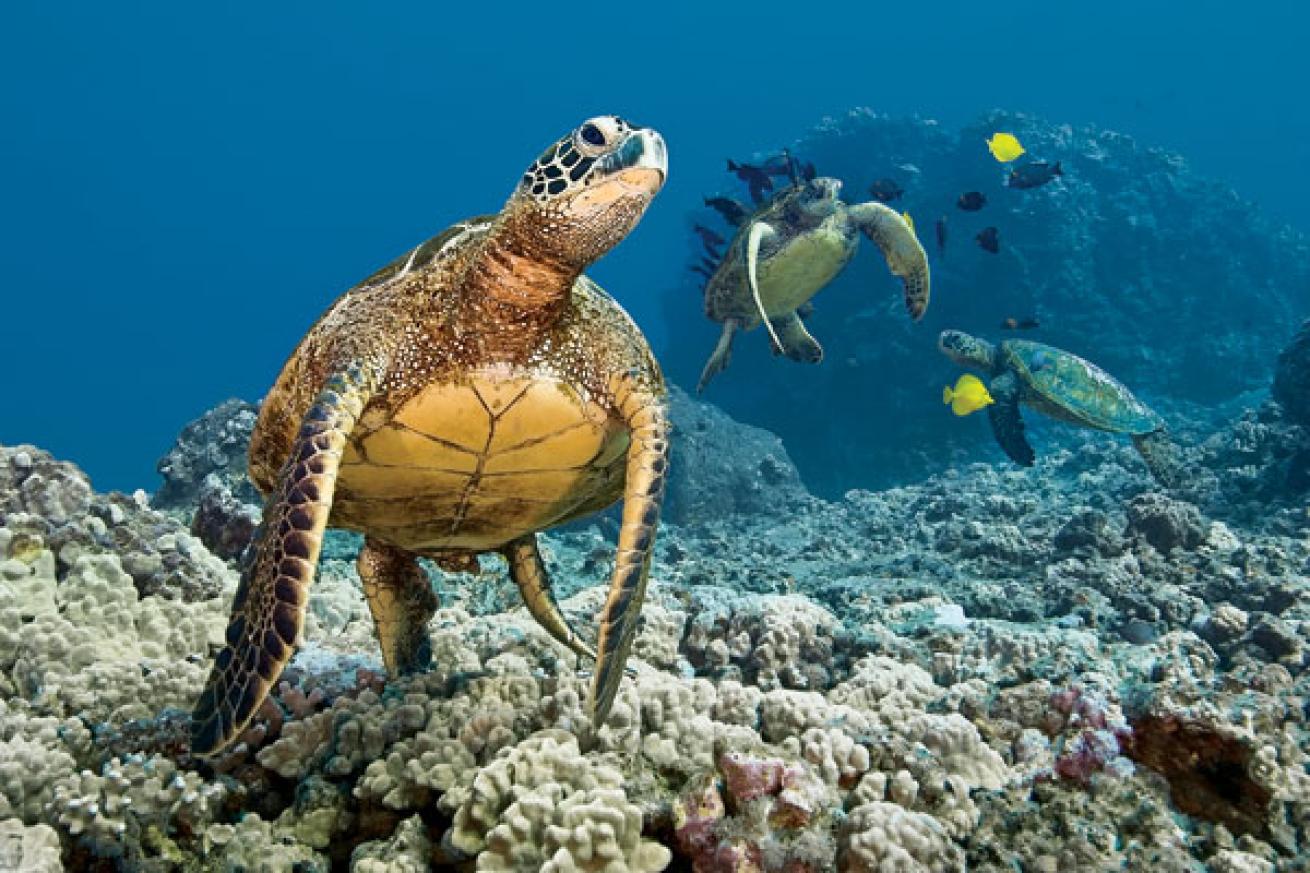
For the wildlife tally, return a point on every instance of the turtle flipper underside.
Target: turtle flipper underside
(718, 361)
(894, 237)
(760, 232)
(269, 609)
(529, 573)
(647, 469)
(797, 343)
(402, 602)
(1007, 423)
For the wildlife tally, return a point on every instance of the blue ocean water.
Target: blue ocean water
(183, 190)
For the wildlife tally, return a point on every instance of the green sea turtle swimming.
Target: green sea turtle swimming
(1065, 387)
(471, 393)
(787, 251)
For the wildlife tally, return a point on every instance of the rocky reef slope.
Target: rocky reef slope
(1057, 669)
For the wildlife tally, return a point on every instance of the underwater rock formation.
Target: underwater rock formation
(215, 443)
(722, 467)
(1292, 378)
(1171, 282)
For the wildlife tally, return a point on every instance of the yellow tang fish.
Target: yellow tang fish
(968, 395)
(908, 220)
(1004, 147)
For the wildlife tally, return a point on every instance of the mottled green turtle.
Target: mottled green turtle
(1065, 387)
(475, 391)
(787, 251)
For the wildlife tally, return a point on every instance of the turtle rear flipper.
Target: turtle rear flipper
(1162, 456)
(906, 258)
(529, 574)
(797, 343)
(722, 354)
(402, 602)
(269, 609)
(647, 469)
(1007, 423)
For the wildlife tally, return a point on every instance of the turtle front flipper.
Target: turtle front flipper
(1007, 423)
(759, 232)
(718, 361)
(402, 602)
(797, 343)
(646, 414)
(1162, 456)
(269, 608)
(894, 237)
(529, 574)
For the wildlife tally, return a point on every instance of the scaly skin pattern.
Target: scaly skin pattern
(269, 609)
(479, 389)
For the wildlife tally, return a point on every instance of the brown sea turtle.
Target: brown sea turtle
(473, 392)
(787, 251)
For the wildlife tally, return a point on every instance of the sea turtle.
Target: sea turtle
(789, 249)
(476, 390)
(1063, 386)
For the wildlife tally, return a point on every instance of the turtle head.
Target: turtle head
(588, 190)
(966, 350)
(819, 197)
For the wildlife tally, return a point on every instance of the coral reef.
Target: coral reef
(48, 504)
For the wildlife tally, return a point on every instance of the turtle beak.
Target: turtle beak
(640, 163)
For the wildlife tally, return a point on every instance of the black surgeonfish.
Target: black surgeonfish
(885, 190)
(732, 211)
(756, 179)
(1034, 175)
(971, 201)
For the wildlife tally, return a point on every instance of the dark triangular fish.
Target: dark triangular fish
(1034, 175)
(697, 268)
(805, 310)
(1028, 323)
(778, 165)
(756, 179)
(990, 239)
(941, 234)
(710, 263)
(732, 211)
(972, 201)
(709, 239)
(807, 171)
(794, 168)
(885, 190)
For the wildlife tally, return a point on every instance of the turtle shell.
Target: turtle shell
(474, 463)
(803, 256)
(1077, 390)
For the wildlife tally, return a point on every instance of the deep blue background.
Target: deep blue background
(182, 191)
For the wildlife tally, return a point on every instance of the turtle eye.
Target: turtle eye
(592, 135)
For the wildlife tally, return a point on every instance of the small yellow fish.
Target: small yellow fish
(1004, 147)
(908, 220)
(969, 395)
